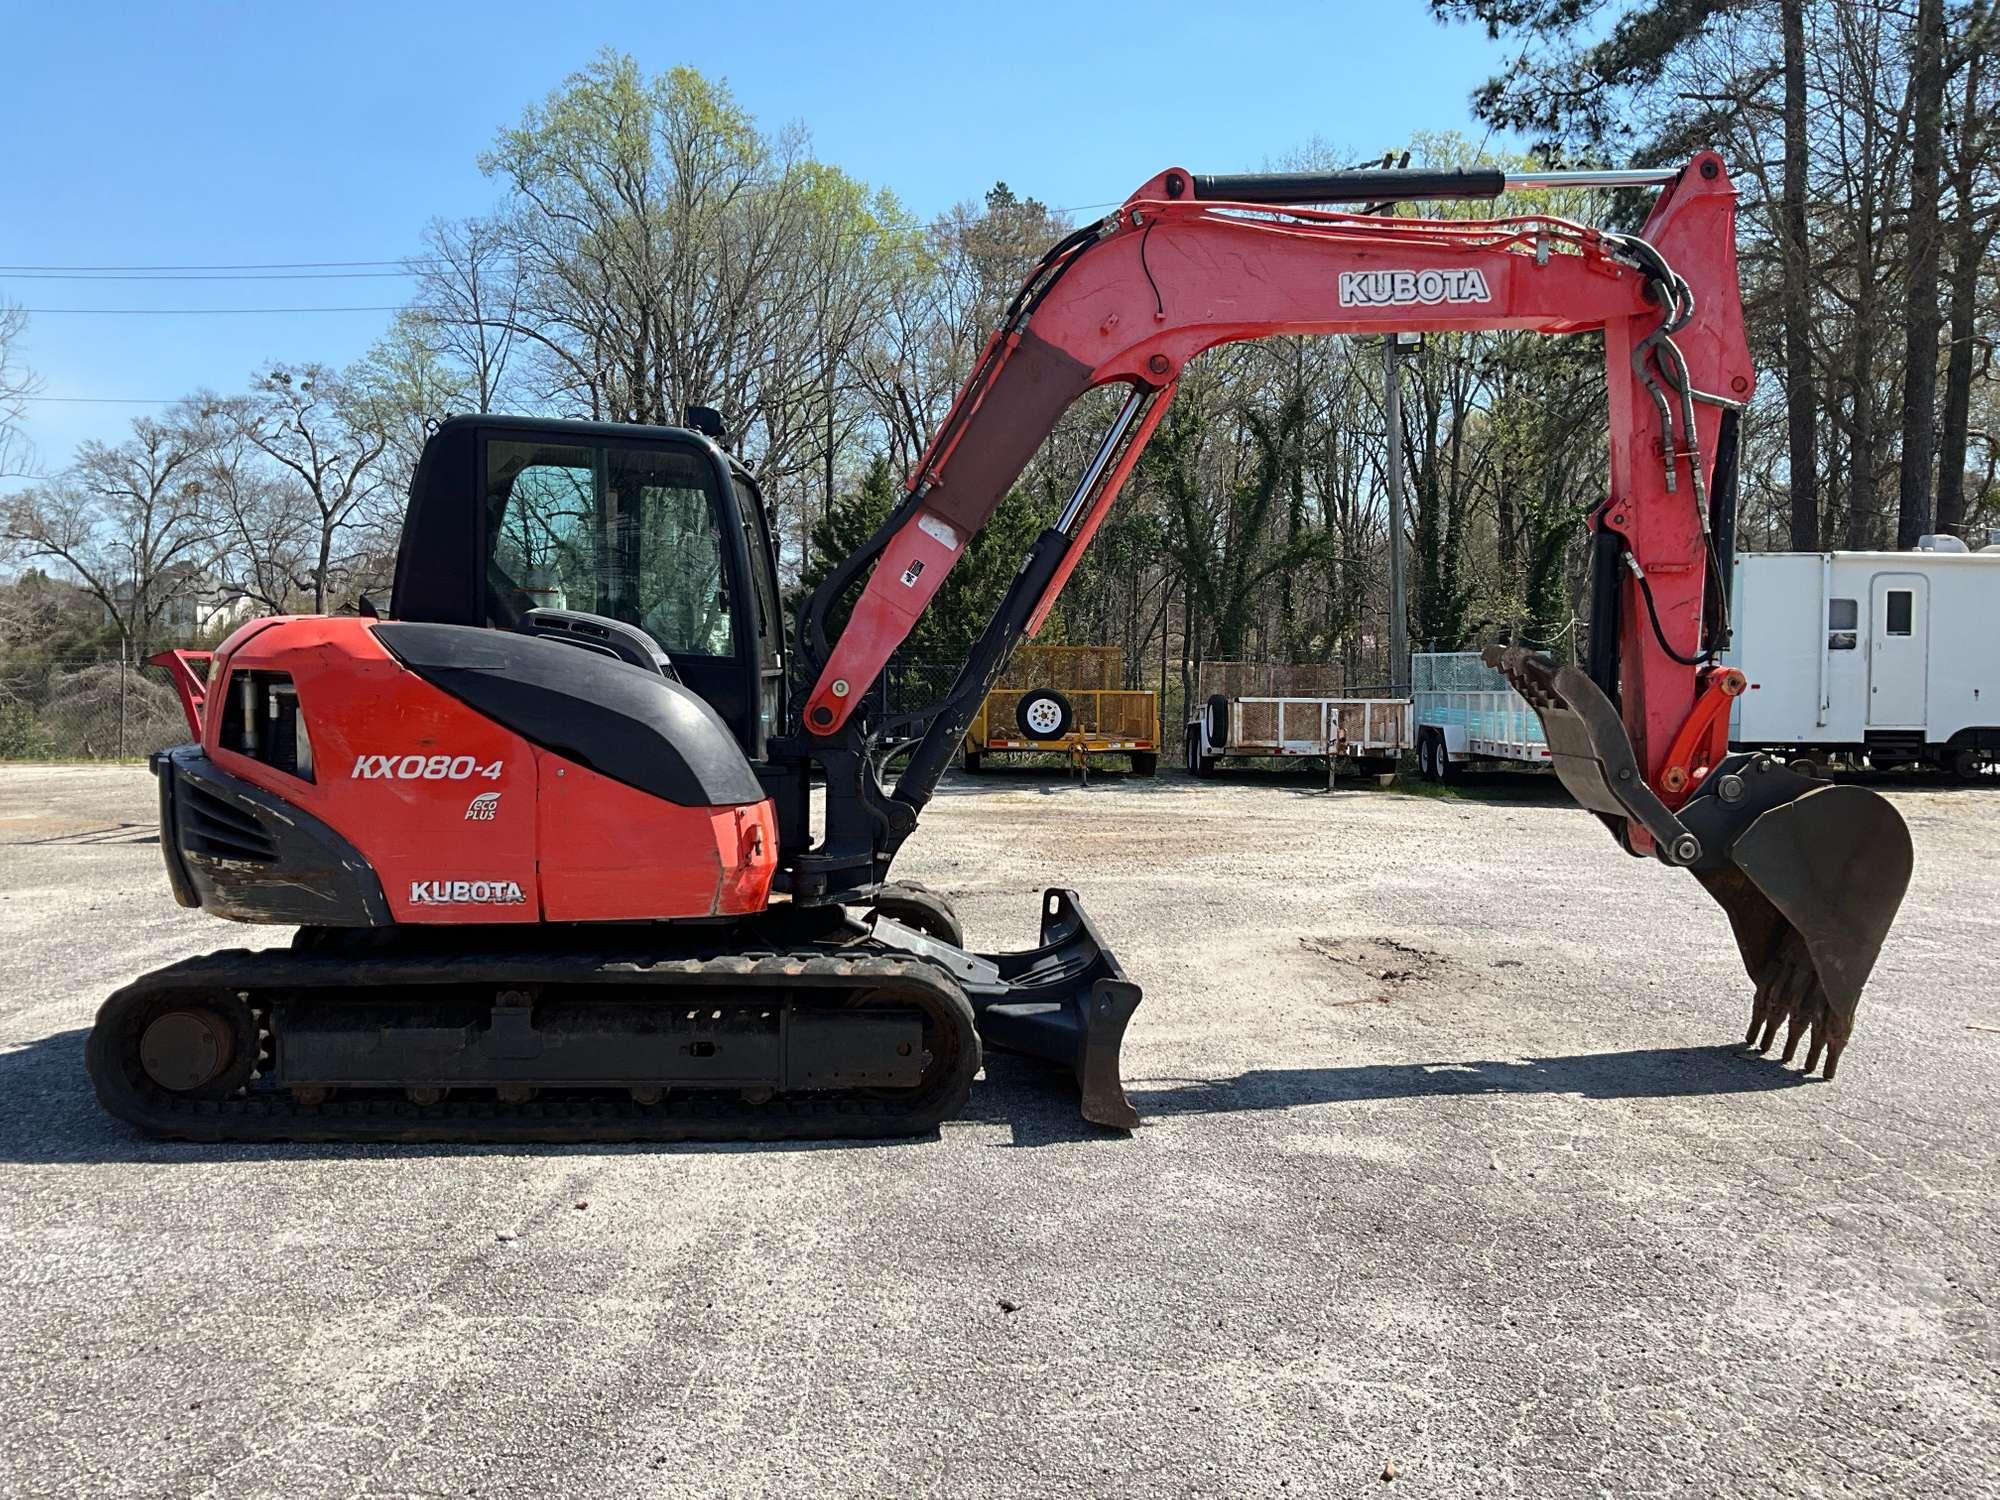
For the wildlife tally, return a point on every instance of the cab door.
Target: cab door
(1898, 650)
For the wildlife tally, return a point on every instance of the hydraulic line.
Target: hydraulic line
(1658, 352)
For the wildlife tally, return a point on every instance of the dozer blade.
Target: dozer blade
(1066, 1001)
(1810, 874)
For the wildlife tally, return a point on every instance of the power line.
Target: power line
(201, 313)
(6, 275)
(269, 265)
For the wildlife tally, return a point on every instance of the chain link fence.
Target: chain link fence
(93, 707)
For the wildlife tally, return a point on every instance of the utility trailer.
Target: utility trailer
(1468, 714)
(1269, 710)
(1884, 656)
(1070, 701)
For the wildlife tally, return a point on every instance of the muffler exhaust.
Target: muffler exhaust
(1810, 874)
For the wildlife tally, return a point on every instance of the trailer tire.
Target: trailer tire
(1427, 755)
(1218, 721)
(1145, 763)
(1197, 763)
(970, 760)
(1044, 714)
(1447, 772)
(1966, 762)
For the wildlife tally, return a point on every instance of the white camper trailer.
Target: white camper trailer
(1891, 655)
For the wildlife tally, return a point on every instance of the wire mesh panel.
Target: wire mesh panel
(1383, 724)
(1258, 722)
(1454, 672)
(1457, 691)
(1127, 715)
(92, 707)
(1253, 679)
(1070, 669)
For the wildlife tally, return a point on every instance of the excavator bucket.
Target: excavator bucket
(1810, 874)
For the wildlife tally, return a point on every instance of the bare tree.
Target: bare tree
(1975, 223)
(17, 384)
(409, 382)
(329, 437)
(469, 290)
(1922, 317)
(259, 521)
(1801, 389)
(129, 521)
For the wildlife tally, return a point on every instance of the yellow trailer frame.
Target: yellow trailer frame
(1108, 720)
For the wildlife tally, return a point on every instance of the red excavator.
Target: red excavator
(549, 832)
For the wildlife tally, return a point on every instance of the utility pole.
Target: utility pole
(1399, 601)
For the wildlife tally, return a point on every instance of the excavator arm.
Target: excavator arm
(1641, 738)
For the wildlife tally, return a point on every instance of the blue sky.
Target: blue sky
(158, 135)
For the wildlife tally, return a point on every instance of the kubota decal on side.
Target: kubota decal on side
(466, 892)
(423, 768)
(1412, 288)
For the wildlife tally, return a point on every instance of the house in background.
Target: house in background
(195, 606)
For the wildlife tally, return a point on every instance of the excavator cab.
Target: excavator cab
(647, 544)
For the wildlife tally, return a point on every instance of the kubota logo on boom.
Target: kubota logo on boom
(466, 892)
(1412, 288)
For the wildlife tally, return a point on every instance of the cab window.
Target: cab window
(757, 542)
(633, 533)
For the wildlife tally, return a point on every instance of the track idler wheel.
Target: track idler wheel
(1811, 876)
(202, 1049)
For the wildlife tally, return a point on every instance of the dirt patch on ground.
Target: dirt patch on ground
(1390, 967)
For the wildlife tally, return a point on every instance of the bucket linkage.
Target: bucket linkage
(1810, 874)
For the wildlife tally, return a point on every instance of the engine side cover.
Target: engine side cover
(492, 778)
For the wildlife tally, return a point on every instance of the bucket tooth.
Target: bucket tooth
(1810, 874)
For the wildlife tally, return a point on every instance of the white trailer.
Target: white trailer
(1466, 712)
(1371, 732)
(1262, 710)
(1892, 656)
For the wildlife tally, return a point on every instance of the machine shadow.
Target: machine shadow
(1642, 1073)
(1031, 1097)
(49, 1116)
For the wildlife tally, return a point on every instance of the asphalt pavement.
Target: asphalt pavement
(1453, 1181)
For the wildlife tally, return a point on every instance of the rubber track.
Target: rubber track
(269, 1114)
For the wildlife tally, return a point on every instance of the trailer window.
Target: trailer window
(1843, 620)
(1900, 611)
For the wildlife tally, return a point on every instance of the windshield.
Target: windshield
(628, 532)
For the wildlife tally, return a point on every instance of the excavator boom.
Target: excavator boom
(1190, 262)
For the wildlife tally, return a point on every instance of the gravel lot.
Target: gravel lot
(1449, 1172)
